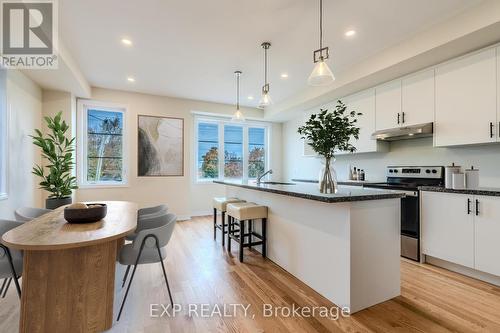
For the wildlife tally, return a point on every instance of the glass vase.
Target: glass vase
(328, 178)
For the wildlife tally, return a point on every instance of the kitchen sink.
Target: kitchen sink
(277, 183)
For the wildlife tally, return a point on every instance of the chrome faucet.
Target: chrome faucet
(259, 178)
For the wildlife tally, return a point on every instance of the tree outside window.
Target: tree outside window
(210, 144)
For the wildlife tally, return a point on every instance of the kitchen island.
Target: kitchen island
(346, 245)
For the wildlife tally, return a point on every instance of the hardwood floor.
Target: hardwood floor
(200, 271)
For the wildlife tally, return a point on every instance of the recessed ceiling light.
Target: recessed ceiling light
(284, 75)
(250, 97)
(130, 79)
(126, 41)
(350, 33)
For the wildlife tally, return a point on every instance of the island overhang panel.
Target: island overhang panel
(347, 250)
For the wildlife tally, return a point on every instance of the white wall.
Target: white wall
(406, 152)
(181, 194)
(53, 102)
(24, 107)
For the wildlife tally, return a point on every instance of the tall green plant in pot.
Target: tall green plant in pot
(328, 132)
(57, 150)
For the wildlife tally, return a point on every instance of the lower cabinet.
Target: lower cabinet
(463, 229)
(487, 234)
(448, 227)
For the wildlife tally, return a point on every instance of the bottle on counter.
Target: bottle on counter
(355, 174)
(350, 172)
(361, 175)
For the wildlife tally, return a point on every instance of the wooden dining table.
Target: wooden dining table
(68, 278)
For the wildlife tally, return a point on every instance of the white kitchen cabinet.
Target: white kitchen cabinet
(466, 100)
(417, 97)
(364, 102)
(448, 227)
(388, 105)
(498, 93)
(487, 234)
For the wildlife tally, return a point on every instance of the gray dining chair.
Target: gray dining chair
(11, 261)
(26, 214)
(148, 248)
(144, 218)
(151, 210)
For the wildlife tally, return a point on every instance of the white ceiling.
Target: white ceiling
(190, 48)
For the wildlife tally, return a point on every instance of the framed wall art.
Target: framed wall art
(160, 146)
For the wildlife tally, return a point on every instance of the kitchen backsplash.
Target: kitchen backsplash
(406, 152)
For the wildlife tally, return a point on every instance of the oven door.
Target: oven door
(410, 222)
(410, 226)
(410, 216)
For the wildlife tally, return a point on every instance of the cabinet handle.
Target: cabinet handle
(399, 116)
(491, 130)
(403, 118)
(477, 207)
(468, 206)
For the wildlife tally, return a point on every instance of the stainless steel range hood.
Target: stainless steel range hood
(403, 133)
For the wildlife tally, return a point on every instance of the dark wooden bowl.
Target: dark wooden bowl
(86, 215)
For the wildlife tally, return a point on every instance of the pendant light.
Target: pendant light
(265, 100)
(321, 74)
(238, 115)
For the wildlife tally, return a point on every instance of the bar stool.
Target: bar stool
(243, 213)
(221, 204)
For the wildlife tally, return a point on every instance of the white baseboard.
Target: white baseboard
(194, 214)
(486, 277)
(203, 213)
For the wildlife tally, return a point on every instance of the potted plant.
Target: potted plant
(58, 150)
(328, 132)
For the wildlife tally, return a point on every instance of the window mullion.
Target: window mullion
(221, 149)
(85, 150)
(267, 153)
(245, 152)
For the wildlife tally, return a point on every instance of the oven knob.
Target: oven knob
(434, 171)
(395, 171)
(427, 171)
(391, 171)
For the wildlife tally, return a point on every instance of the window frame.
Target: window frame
(4, 137)
(221, 121)
(82, 143)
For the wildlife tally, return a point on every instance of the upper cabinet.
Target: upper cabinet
(388, 105)
(417, 97)
(461, 97)
(466, 100)
(498, 93)
(364, 102)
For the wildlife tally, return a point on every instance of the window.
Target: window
(3, 135)
(228, 150)
(102, 145)
(233, 151)
(208, 151)
(256, 151)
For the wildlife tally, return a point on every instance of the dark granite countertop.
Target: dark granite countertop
(311, 192)
(340, 182)
(491, 191)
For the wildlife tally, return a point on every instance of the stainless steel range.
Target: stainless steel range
(407, 179)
